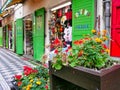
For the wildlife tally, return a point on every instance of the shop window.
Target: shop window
(60, 26)
(28, 37)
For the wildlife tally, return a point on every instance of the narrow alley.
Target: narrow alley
(10, 65)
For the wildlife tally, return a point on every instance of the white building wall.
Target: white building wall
(18, 12)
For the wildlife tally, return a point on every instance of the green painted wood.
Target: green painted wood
(13, 37)
(19, 36)
(1, 39)
(38, 33)
(82, 18)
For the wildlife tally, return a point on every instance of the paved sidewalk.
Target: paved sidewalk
(10, 64)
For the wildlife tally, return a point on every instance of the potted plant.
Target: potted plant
(88, 65)
(32, 79)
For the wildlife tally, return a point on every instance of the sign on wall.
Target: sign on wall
(83, 17)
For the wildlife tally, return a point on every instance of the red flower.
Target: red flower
(18, 77)
(86, 39)
(27, 70)
(19, 83)
(78, 42)
(34, 71)
(102, 51)
(104, 46)
(80, 53)
(66, 50)
(56, 51)
(56, 42)
(46, 86)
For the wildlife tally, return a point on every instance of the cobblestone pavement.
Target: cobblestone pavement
(10, 64)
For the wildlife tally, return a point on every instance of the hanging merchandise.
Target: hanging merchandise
(28, 36)
(60, 26)
(10, 35)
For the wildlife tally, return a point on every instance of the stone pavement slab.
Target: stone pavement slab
(10, 64)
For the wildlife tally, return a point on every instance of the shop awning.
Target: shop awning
(3, 13)
(6, 12)
(9, 3)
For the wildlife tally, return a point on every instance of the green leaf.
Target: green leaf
(57, 66)
(73, 64)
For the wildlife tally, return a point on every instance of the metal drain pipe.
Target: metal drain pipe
(107, 19)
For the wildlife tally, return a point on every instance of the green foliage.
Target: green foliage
(33, 79)
(90, 52)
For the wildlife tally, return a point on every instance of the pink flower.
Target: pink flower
(45, 65)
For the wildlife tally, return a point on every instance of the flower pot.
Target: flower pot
(89, 79)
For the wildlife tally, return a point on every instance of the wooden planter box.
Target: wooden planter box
(106, 79)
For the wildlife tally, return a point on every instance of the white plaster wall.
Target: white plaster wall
(18, 12)
(47, 42)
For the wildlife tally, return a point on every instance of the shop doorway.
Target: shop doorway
(10, 36)
(115, 29)
(39, 33)
(19, 36)
(5, 37)
(60, 26)
(28, 36)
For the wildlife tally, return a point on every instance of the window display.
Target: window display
(60, 26)
(28, 39)
(10, 35)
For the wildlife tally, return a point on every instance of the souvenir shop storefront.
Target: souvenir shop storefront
(70, 21)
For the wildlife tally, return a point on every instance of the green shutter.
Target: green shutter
(13, 36)
(38, 33)
(19, 36)
(1, 36)
(83, 18)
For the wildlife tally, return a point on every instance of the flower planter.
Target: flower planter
(89, 79)
(14, 85)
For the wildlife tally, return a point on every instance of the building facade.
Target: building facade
(34, 24)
